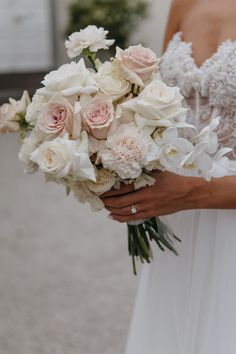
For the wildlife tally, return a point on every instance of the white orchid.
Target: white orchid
(197, 163)
(221, 163)
(174, 148)
(208, 134)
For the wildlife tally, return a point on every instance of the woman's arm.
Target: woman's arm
(170, 194)
(179, 9)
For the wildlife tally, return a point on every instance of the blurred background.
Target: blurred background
(66, 284)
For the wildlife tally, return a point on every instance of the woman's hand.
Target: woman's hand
(170, 194)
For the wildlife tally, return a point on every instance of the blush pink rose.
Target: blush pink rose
(137, 63)
(98, 115)
(56, 116)
(7, 122)
(12, 113)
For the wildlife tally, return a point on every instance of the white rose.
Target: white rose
(29, 145)
(128, 151)
(158, 105)
(35, 107)
(105, 180)
(11, 113)
(91, 37)
(62, 157)
(70, 79)
(111, 81)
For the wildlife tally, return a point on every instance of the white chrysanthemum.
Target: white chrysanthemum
(111, 81)
(91, 37)
(70, 79)
(128, 151)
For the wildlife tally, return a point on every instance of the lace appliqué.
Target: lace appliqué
(210, 90)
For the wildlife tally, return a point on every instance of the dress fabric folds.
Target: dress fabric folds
(187, 304)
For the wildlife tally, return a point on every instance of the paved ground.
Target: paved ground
(66, 285)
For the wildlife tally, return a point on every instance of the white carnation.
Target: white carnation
(128, 151)
(91, 37)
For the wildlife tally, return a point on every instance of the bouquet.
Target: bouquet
(91, 128)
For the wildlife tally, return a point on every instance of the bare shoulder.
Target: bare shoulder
(178, 10)
(183, 3)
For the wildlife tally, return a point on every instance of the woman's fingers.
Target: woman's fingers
(124, 189)
(128, 218)
(126, 211)
(125, 200)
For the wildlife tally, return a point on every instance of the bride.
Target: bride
(187, 304)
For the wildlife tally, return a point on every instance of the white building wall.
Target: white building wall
(151, 30)
(26, 38)
(25, 35)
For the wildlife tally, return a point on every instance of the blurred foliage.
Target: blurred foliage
(119, 17)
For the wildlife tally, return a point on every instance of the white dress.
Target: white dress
(187, 304)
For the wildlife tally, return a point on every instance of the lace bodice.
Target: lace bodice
(210, 90)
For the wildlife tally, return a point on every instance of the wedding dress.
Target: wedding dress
(187, 304)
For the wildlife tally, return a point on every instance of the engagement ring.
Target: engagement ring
(133, 210)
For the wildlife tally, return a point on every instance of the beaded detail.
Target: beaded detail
(210, 89)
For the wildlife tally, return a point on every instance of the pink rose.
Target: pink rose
(98, 115)
(137, 63)
(56, 116)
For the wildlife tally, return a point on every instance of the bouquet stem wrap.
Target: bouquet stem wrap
(142, 233)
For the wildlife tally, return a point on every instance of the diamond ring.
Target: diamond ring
(133, 210)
